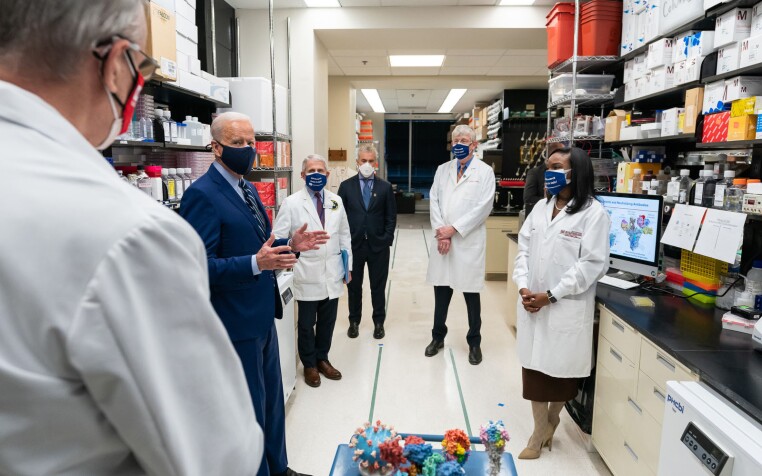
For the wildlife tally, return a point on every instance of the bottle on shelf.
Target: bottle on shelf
(754, 283)
(698, 188)
(721, 187)
(636, 182)
(144, 181)
(158, 126)
(734, 195)
(146, 129)
(654, 190)
(684, 190)
(178, 183)
(707, 197)
(169, 184)
(663, 179)
(121, 176)
(186, 173)
(154, 173)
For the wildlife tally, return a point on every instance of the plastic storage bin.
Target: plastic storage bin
(600, 28)
(561, 85)
(560, 30)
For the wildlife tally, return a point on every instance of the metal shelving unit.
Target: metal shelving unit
(554, 140)
(588, 64)
(583, 100)
(653, 140)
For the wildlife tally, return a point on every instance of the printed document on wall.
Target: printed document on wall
(721, 235)
(684, 226)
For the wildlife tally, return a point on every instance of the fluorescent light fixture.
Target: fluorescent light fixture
(322, 3)
(421, 61)
(371, 95)
(452, 99)
(515, 3)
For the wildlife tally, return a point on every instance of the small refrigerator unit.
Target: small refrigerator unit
(287, 334)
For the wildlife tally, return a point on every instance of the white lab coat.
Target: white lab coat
(464, 204)
(112, 359)
(319, 273)
(567, 256)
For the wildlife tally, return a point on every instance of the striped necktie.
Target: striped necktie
(320, 208)
(366, 192)
(251, 201)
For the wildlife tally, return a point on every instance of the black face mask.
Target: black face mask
(238, 159)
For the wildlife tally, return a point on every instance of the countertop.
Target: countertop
(692, 333)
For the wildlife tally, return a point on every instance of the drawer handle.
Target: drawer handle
(634, 405)
(507, 231)
(615, 354)
(617, 324)
(665, 362)
(659, 395)
(632, 453)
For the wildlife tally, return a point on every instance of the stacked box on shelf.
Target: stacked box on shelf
(739, 36)
(716, 127)
(198, 162)
(160, 40)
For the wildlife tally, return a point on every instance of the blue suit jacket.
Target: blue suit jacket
(246, 303)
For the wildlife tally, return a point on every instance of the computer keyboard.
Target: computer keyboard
(618, 283)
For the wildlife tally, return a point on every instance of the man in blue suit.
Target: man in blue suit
(242, 254)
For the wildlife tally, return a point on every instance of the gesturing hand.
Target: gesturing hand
(443, 246)
(445, 232)
(280, 257)
(304, 240)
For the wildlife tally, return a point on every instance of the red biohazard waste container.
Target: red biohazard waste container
(560, 29)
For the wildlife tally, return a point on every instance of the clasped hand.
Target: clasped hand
(533, 302)
(444, 236)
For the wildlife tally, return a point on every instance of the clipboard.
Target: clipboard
(345, 261)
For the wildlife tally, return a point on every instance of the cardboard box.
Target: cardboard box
(750, 51)
(681, 46)
(631, 133)
(701, 44)
(614, 123)
(734, 25)
(669, 121)
(759, 127)
(716, 127)
(653, 16)
(183, 61)
(745, 106)
(681, 72)
(713, 97)
(186, 10)
(660, 53)
(191, 82)
(186, 46)
(629, 71)
(168, 5)
(742, 87)
(187, 28)
(640, 68)
(693, 72)
(662, 78)
(742, 128)
(220, 89)
(694, 99)
(160, 41)
(729, 57)
(756, 20)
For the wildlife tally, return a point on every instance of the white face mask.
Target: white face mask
(366, 170)
(116, 125)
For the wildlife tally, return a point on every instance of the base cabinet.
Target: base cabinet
(631, 377)
(497, 246)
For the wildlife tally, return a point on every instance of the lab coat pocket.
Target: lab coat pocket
(567, 315)
(566, 252)
(307, 269)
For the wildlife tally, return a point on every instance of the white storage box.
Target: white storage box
(641, 87)
(640, 66)
(681, 46)
(742, 87)
(561, 85)
(701, 44)
(186, 46)
(693, 72)
(669, 120)
(195, 66)
(662, 78)
(756, 20)
(713, 94)
(629, 71)
(681, 72)
(192, 82)
(169, 5)
(660, 53)
(728, 58)
(183, 61)
(187, 28)
(750, 51)
(651, 131)
(640, 34)
(631, 133)
(629, 28)
(186, 10)
(734, 25)
(653, 15)
(253, 96)
(220, 88)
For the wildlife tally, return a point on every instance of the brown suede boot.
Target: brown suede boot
(554, 418)
(542, 431)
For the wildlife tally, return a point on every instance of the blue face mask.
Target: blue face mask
(555, 181)
(461, 151)
(316, 181)
(238, 159)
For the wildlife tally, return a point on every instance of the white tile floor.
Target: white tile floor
(418, 394)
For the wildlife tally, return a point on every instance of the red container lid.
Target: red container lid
(127, 169)
(562, 7)
(512, 183)
(153, 170)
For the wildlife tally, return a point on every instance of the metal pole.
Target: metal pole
(574, 71)
(410, 154)
(288, 55)
(272, 89)
(214, 42)
(237, 47)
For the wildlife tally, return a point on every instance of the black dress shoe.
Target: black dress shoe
(354, 330)
(291, 472)
(378, 332)
(433, 348)
(475, 355)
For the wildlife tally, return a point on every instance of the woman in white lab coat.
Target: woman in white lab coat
(563, 252)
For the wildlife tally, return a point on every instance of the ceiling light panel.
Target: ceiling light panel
(322, 3)
(371, 95)
(413, 61)
(514, 3)
(452, 99)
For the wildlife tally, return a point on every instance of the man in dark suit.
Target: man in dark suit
(372, 215)
(227, 213)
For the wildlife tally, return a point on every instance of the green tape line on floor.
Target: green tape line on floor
(375, 384)
(460, 392)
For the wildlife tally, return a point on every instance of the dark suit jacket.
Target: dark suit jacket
(245, 303)
(378, 221)
(534, 189)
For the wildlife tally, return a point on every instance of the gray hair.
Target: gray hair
(53, 37)
(314, 157)
(219, 122)
(367, 148)
(464, 130)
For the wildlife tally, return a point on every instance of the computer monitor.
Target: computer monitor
(635, 233)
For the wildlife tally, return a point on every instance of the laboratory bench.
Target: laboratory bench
(500, 223)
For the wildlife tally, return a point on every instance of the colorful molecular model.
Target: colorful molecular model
(456, 446)
(494, 437)
(367, 443)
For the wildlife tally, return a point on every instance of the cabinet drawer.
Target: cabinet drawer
(608, 440)
(611, 397)
(622, 368)
(504, 224)
(623, 337)
(661, 366)
(651, 397)
(643, 434)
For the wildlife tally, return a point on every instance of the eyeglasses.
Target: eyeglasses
(147, 65)
(463, 141)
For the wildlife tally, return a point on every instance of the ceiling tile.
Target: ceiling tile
(360, 3)
(357, 61)
(534, 52)
(364, 71)
(475, 52)
(462, 71)
(477, 2)
(417, 3)
(470, 61)
(357, 52)
(523, 61)
(415, 51)
(514, 71)
(415, 71)
(387, 93)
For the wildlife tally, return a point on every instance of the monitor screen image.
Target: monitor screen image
(635, 232)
